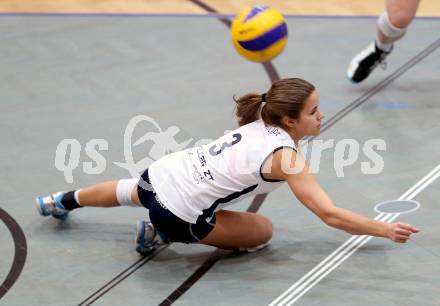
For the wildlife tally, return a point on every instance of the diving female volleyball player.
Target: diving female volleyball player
(186, 192)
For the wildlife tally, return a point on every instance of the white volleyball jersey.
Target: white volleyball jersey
(196, 182)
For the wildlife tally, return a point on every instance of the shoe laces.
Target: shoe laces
(382, 61)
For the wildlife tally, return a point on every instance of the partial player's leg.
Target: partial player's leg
(395, 21)
(107, 194)
(239, 230)
(391, 26)
(228, 230)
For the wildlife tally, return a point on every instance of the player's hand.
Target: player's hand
(400, 232)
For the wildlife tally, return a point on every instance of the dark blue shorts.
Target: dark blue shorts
(171, 226)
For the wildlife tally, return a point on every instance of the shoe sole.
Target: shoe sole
(140, 226)
(353, 81)
(139, 240)
(350, 76)
(255, 249)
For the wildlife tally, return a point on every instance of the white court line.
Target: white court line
(368, 238)
(320, 265)
(354, 243)
(417, 185)
(428, 182)
(335, 260)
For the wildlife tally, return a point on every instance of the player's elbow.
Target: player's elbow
(331, 218)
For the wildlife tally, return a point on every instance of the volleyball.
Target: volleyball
(259, 33)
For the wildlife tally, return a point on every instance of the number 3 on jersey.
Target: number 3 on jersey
(214, 150)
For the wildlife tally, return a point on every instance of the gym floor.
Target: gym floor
(82, 70)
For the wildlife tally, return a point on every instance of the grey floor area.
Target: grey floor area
(84, 78)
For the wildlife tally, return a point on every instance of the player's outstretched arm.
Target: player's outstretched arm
(309, 192)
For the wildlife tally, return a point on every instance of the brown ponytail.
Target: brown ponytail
(248, 108)
(286, 97)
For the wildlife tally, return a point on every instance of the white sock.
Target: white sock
(384, 47)
(75, 195)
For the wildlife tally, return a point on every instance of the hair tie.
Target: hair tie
(263, 97)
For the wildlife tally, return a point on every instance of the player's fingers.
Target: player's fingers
(402, 237)
(404, 226)
(398, 240)
(415, 230)
(403, 232)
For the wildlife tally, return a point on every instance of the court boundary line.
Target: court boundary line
(121, 276)
(20, 252)
(354, 243)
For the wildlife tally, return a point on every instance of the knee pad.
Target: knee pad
(387, 28)
(124, 190)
